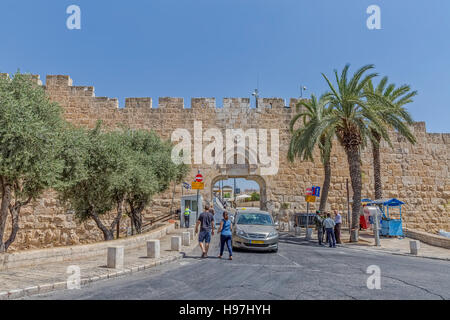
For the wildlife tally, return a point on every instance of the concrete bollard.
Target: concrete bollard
(175, 243)
(309, 233)
(153, 249)
(298, 231)
(191, 233)
(186, 236)
(115, 257)
(414, 247)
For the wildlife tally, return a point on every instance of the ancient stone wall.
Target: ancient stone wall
(418, 175)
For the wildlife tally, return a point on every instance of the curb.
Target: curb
(394, 253)
(57, 286)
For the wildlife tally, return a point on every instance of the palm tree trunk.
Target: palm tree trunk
(377, 169)
(354, 163)
(325, 186)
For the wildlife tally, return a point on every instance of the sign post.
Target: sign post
(198, 185)
(309, 197)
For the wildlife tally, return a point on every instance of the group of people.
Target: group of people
(329, 226)
(207, 227)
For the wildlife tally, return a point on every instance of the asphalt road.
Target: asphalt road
(300, 270)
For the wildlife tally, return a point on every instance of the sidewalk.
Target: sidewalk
(50, 277)
(399, 246)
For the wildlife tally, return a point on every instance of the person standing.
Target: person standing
(206, 223)
(329, 226)
(225, 236)
(187, 216)
(319, 226)
(337, 227)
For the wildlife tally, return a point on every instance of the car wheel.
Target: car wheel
(275, 250)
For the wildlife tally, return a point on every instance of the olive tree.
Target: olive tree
(30, 141)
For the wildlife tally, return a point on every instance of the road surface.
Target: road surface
(300, 270)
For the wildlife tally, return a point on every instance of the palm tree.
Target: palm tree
(350, 118)
(304, 140)
(395, 117)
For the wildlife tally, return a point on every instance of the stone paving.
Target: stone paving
(44, 278)
(391, 245)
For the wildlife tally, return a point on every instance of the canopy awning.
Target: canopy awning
(393, 202)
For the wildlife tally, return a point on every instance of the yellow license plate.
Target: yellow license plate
(256, 242)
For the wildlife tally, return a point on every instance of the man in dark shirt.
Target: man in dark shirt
(206, 223)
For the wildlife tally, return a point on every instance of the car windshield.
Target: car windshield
(255, 218)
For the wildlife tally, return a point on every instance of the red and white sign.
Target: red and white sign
(199, 178)
(309, 192)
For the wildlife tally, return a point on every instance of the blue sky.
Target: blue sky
(204, 48)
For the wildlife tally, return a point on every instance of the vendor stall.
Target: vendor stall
(391, 219)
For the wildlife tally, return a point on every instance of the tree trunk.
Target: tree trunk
(15, 211)
(354, 162)
(4, 209)
(325, 186)
(377, 169)
(107, 234)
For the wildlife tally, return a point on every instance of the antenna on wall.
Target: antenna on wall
(256, 92)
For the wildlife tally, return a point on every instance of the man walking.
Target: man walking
(337, 227)
(329, 226)
(187, 216)
(206, 222)
(319, 226)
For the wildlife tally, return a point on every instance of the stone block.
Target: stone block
(153, 249)
(175, 243)
(115, 257)
(186, 236)
(309, 233)
(191, 233)
(414, 246)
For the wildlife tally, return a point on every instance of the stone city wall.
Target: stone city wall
(418, 175)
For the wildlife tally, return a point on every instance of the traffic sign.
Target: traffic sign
(310, 198)
(198, 185)
(309, 192)
(199, 178)
(186, 185)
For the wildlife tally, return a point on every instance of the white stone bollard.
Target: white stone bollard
(115, 257)
(186, 236)
(153, 249)
(298, 231)
(175, 243)
(191, 233)
(309, 233)
(414, 246)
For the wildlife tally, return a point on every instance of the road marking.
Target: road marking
(295, 263)
(262, 265)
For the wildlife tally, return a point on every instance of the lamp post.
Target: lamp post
(302, 88)
(256, 95)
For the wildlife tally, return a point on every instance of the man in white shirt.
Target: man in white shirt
(337, 227)
(329, 227)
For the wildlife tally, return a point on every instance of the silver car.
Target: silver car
(255, 230)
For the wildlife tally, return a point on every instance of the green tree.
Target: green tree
(92, 185)
(30, 132)
(255, 196)
(393, 114)
(350, 118)
(304, 139)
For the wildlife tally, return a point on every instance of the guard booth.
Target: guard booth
(190, 202)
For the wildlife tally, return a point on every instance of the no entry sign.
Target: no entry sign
(199, 178)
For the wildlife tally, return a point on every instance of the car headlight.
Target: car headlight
(272, 234)
(241, 233)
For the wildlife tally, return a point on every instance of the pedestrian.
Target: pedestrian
(329, 226)
(225, 236)
(187, 216)
(337, 227)
(206, 223)
(319, 226)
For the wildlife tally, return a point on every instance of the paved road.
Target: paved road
(299, 270)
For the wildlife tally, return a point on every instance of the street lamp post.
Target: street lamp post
(256, 95)
(302, 88)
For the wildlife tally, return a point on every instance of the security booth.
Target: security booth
(391, 216)
(190, 201)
